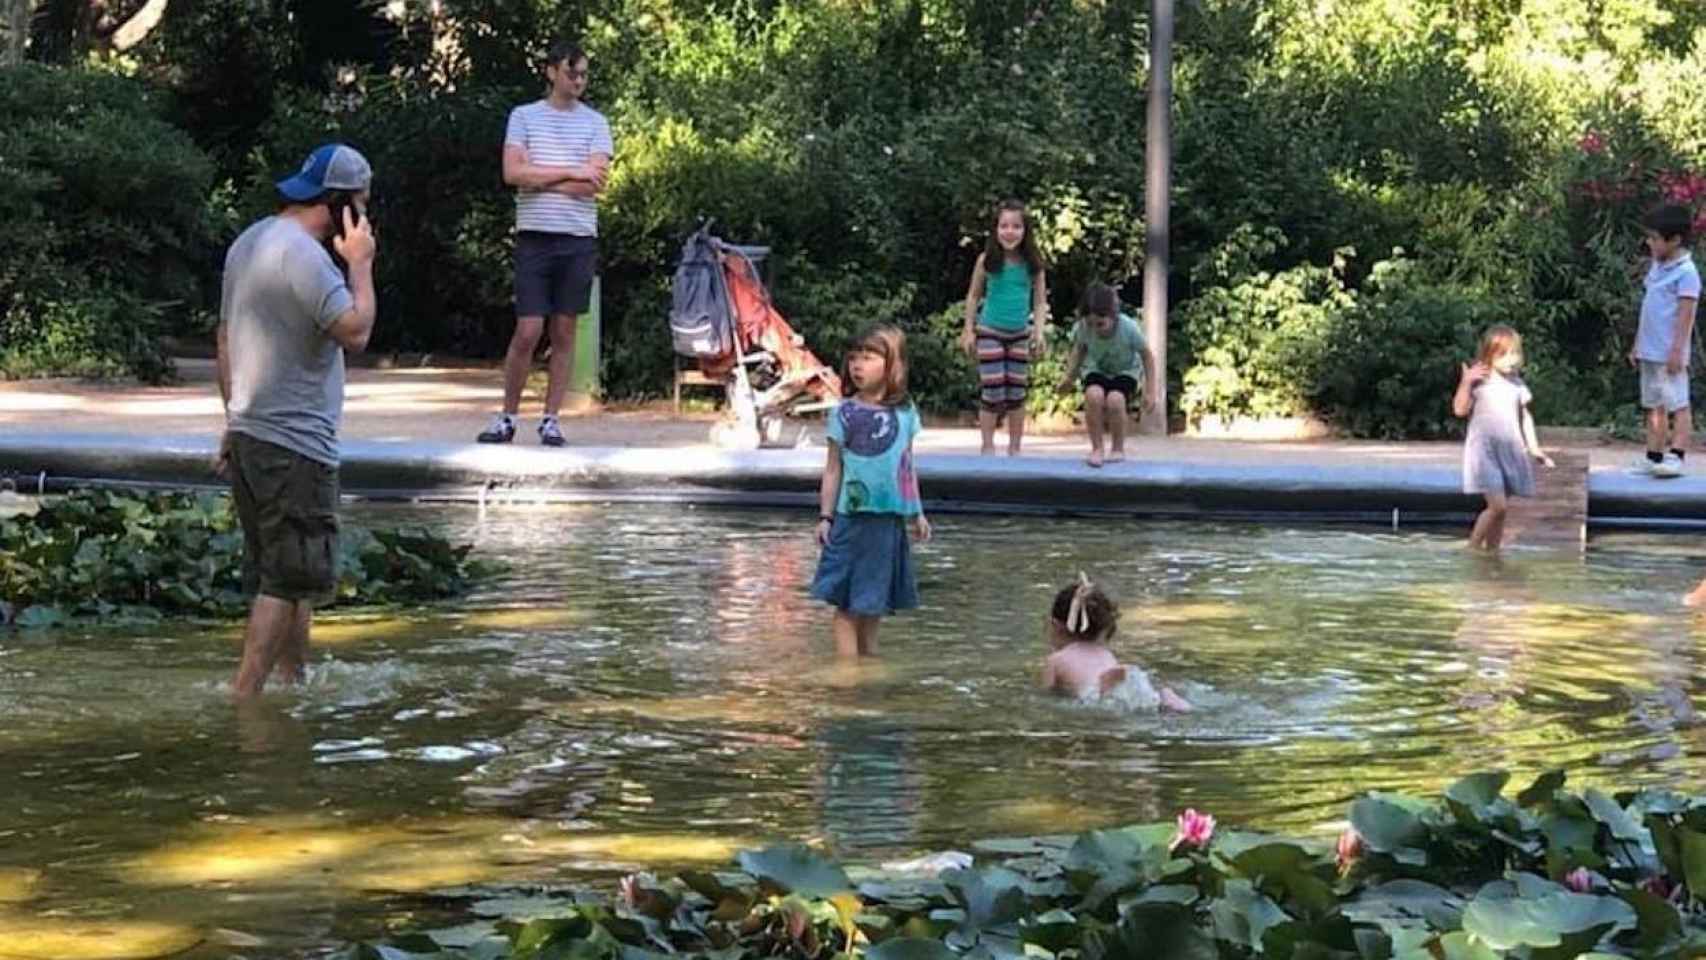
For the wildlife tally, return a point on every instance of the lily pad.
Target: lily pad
(1623, 826)
(1505, 922)
(1389, 826)
(1243, 915)
(1416, 899)
(1152, 930)
(910, 948)
(1542, 789)
(1693, 847)
(793, 868)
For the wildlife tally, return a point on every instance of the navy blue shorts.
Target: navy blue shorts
(867, 567)
(553, 273)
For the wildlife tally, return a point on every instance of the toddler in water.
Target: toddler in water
(1501, 437)
(1082, 666)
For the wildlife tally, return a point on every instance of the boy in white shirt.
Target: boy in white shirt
(1665, 336)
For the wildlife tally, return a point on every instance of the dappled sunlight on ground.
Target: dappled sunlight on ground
(522, 618)
(17, 884)
(1024, 816)
(318, 851)
(27, 937)
(621, 850)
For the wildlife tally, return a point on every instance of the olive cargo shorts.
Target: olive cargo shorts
(287, 505)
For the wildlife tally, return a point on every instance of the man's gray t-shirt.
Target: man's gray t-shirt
(281, 293)
(1666, 283)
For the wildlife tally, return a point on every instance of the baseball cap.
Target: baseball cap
(333, 166)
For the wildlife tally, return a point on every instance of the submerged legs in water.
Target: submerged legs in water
(1489, 529)
(276, 636)
(855, 634)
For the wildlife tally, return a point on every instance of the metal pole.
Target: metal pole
(1158, 189)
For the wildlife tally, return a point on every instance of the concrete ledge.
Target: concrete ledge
(1420, 493)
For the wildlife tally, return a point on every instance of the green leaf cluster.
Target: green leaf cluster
(110, 554)
(1546, 874)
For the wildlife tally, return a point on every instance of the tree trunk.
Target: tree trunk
(17, 26)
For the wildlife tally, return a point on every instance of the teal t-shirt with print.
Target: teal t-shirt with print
(1119, 354)
(876, 457)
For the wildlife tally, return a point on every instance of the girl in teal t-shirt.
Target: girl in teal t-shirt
(1117, 365)
(1006, 305)
(869, 496)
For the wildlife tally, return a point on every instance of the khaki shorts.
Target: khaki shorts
(1661, 389)
(288, 506)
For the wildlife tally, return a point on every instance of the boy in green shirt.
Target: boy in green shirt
(1117, 363)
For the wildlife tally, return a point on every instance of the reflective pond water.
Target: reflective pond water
(649, 687)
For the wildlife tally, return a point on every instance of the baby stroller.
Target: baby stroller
(721, 316)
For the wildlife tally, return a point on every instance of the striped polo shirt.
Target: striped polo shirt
(557, 138)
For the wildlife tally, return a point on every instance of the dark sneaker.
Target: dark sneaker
(550, 434)
(502, 430)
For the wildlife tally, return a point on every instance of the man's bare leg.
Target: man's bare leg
(519, 360)
(1682, 424)
(561, 362)
(293, 658)
(270, 622)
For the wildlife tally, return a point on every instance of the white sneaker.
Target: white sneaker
(1670, 466)
(1642, 467)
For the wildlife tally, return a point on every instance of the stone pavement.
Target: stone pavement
(409, 431)
(441, 405)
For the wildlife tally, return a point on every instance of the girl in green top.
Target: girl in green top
(1117, 364)
(1006, 305)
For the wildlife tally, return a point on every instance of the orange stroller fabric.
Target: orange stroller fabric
(760, 327)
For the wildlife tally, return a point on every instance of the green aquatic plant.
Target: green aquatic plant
(1546, 874)
(114, 555)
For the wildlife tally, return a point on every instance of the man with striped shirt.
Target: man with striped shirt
(556, 156)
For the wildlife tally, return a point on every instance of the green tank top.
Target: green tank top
(1007, 298)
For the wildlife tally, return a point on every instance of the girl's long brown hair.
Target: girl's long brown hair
(1496, 342)
(995, 255)
(889, 342)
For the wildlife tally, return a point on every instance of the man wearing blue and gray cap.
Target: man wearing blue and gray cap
(287, 313)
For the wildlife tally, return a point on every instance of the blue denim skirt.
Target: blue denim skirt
(867, 567)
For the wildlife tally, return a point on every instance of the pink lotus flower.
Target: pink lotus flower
(628, 888)
(1195, 830)
(1579, 880)
(1350, 848)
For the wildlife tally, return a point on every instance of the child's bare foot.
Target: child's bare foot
(1697, 597)
(1116, 455)
(988, 450)
(1094, 459)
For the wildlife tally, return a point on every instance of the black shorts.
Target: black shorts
(1121, 384)
(553, 273)
(287, 505)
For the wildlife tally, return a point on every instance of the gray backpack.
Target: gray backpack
(701, 322)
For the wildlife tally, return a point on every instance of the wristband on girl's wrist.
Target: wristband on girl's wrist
(825, 519)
